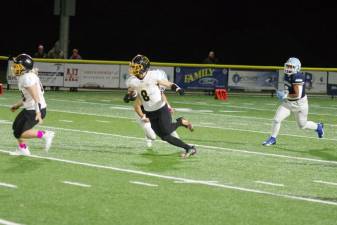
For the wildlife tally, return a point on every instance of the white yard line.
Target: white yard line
(81, 113)
(121, 108)
(212, 184)
(205, 123)
(229, 111)
(221, 105)
(264, 132)
(102, 121)
(6, 222)
(214, 127)
(8, 185)
(250, 108)
(182, 109)
(269, 183)
(66, 121)
(325, 182)
(204, 146)
(323, 107)
(76, 184)
(91, 114)
(185, 182)
(143, 183)
(79, 101)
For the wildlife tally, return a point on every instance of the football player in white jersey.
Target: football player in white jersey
(146, 83)
(150, 135)
(33, 102)
(294, 100)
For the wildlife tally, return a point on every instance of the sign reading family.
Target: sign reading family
(200, 78)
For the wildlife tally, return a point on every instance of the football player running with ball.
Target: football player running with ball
(294, 100)
(150, 135)
(146, 84)
(34, 105)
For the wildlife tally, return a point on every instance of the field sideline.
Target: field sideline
(100, 172)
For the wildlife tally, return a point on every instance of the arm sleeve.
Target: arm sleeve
(299, 79)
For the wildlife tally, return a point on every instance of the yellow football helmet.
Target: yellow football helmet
(139, 65)
(21, 64)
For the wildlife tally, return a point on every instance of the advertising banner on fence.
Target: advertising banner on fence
(201, 78)
(332, 83)
(253, 80)
(315, 81)
(51, 74)
(124, 74)
(91, 76)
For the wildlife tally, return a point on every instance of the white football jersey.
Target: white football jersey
(148, 89)
(27, 80)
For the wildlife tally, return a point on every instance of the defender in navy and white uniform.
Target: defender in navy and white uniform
(146, 84)
(33, 103)
(294, 100)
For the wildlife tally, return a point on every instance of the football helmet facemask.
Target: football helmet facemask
(139, 65)
(21, 64)
(292, 66)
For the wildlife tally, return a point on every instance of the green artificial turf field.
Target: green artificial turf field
(99, 170)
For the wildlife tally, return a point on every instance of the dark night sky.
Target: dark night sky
(239, 32)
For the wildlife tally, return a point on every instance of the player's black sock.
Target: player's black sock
(175, 141)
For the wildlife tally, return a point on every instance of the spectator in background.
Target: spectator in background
(211, 58)
(40, 52)
(75, 54)
(56, 52)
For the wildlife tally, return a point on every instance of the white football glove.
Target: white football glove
(281, 95)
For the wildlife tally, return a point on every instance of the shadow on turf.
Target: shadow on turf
(324, 154)
(321, 198)
(159, 162)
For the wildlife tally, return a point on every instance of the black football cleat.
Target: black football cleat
(185, 123)
(189, 152)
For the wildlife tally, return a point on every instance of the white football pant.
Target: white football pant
(299, 108)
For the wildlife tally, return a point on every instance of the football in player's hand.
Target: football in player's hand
(180, 91)
(126, 98)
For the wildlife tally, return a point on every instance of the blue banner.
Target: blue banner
(201, 78)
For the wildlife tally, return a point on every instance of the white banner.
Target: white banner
(91, 76)
(50, 74)
(252, 80)
(125, 74)
(315, 81)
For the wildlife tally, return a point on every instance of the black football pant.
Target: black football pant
(162, 125)
(25, 120)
